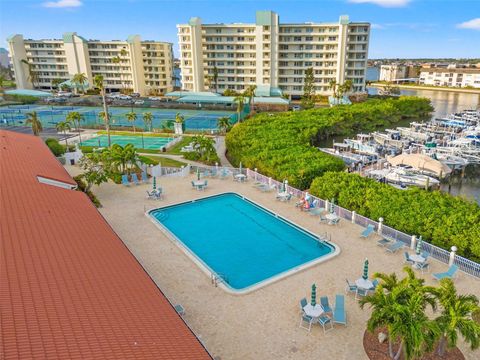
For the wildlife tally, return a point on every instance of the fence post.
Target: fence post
(380, 225)
(353, 216)
(286, 186)
(452, 256)
(269, 181)
(327, 205)
(413, 242)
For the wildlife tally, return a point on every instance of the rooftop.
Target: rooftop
(69, 286)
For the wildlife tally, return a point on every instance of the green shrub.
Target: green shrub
(440, 218)
(283, 145)
(55, 147)
(81, 187)
(195, 156)
(92, 92)
(23, 99)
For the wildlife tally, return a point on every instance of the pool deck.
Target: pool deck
(262, 324)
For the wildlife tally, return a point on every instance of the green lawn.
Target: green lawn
(155, 160)
(175, 149)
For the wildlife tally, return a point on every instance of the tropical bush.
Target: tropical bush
(23, 99)
(404, 307)
(204, 152)
(283, 145)
(82, 187)
(442, 219)
(55, 147)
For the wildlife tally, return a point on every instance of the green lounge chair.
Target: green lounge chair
(395, 246)
(383, 242)
(135, 179)
(450, 273)
(368, 230)
(144, 177)
(339, 314)
(324, 302)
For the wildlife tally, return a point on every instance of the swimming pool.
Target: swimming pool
(147, 142)
(243, 243)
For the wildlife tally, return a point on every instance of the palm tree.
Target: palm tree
(240, 101)
(223, 123)
(75, 118)
(64, 126)
(33, 119)
(250, 93)
(400, 307)
(147, 120)
(32, 75)
(456, 317)
(2, 80)
(123, 156)
(131, 117)
(98, 81)
(333, 86)
(79, 79)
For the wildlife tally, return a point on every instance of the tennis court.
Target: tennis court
(142, 142)
(195, 120)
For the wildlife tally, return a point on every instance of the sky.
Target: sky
(400, 28)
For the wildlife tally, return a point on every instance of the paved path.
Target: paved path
(221, 149)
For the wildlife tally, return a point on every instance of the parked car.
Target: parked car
(124, 97)
(139, 102)
(154, 98)
(296, 108)
(135, 95)
(65, 94)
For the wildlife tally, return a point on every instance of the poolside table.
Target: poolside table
(331, 217)
(240, 177)
(364, 284)
(282, 195)
(417, 258)
(313, 311)
(199, 184)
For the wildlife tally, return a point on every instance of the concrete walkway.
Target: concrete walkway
(221, 149)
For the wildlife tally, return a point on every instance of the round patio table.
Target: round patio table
(313, 311)
(417, 258)
(240, 177)
(364, 284)
(331, 217)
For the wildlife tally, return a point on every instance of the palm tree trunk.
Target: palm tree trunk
(66, 139)
(390, 348)
(441, 346)
(78, 129)
(399, 352)
(107, 120)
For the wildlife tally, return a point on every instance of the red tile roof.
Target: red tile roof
(69, 287)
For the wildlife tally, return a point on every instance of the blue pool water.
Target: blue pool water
(243, 242)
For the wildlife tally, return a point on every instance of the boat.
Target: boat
(405, 175)
(342, 151)
(390, 138)
(420, 164)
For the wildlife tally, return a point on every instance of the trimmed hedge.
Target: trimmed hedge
(283, 145)
(441, 219)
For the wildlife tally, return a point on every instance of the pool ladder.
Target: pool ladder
(218, 278)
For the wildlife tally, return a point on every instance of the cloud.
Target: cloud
(377, 26)
(473, 24)
(383, 3)
(62, 4)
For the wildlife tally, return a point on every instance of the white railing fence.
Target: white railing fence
(468, 266)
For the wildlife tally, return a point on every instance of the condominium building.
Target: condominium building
(393, 72)
(454, 77)
(233, 56)
(145, 67)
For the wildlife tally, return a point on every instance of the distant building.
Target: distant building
(145, 67)
(234, 56)
(393, 72)
(4, 60)
(453, 76)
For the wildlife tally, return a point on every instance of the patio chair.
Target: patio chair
(153, 195)
(450, 273)
(305, 319)
(335, 221)
(324, 302)
(324, 320)
(125, 180)
(361, 293)
(350, 287)
(268, 188)
(395, 246)
(224, 174)
(407, 259)
(424, 266)
(205, 185)
(303, 303)
(425, 255)
(368, 230)
(135, 179)
(383, 242)
(193, 185)
(339, 314)
(179, 309)
(144, 177)
(375, 284)
(323, 219)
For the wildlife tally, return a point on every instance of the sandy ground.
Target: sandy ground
(263, 324)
